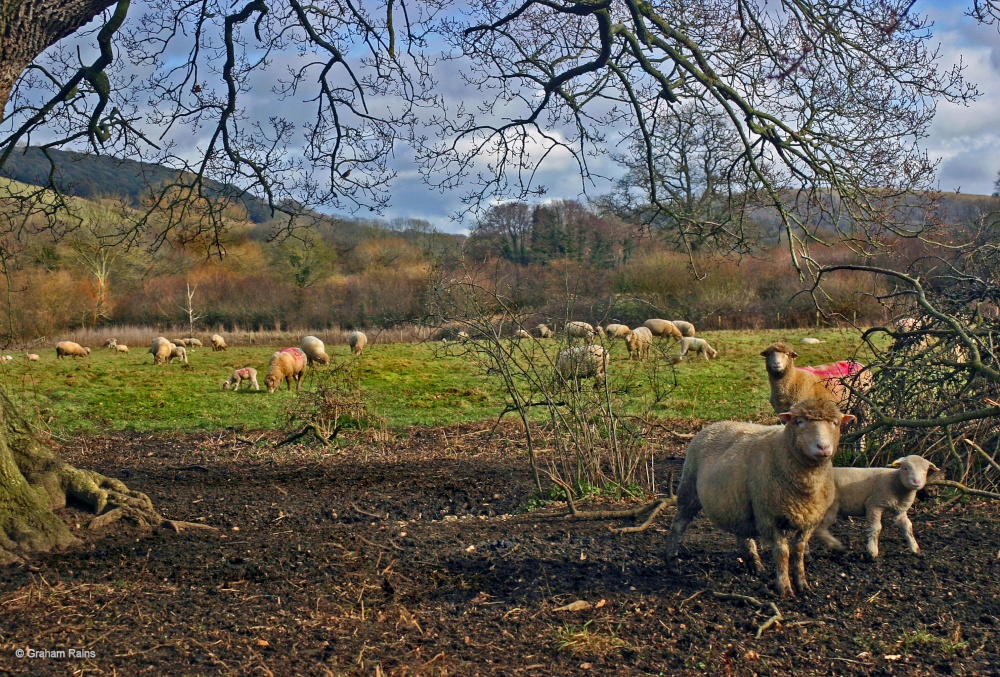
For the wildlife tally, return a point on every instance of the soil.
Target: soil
(411, 557)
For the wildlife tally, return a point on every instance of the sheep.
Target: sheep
(71, 349)
(286, 365)
(788, 384)
(870, 492)
(638, 341)
(913, 340)
(616, 330)
(579, 330)
(462, 336)
(32, 357)
(357, 341)
(218, 343)
(111, 343)
(810, 341)
(663, 328)
(160, 349)
(600, 331)
(583, 362)
(121, 348)
(521, 334)
(685, 328)
(773, 483)
(315, 350)
(179, 342)
(697, 345)
(240, 375)
(192, 343)
(178, 353)
(7, 358)
(543, 331)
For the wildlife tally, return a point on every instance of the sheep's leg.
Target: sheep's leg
(799, 555)
(751, 555)
(780, 552)
(253, 380)
(874, 529)
(688, 507)
(823, 531)
(906, 528)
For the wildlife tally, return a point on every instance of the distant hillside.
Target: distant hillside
(95, 176)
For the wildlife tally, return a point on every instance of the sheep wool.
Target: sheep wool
(357, 341)
(286, 365)
(315, 350)
(218, 343)
(663, 328)
(160, 349)
(71, 349)
(685, 328)
(582, 362)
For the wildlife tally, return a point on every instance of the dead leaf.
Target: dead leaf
(600, 604)
(263, 642)
(893, 657)
(578, 605)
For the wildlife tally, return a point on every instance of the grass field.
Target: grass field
(407, 384)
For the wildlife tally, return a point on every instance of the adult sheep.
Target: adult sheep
(357, 341)
(218, 343)
(315, 350)
(286, 365)
(791, 384)
(639, 341)
(543, 331)
(71, 349)
(685, 328)
(160, 349)
(773, 483)
(616, 330)
(663, 328)
(871, 492)
(192, 342)
(581, 362)
(579, 330)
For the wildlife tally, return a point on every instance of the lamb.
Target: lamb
(769, 482)
(788, 384)
(160, 349)
(240, 375)
(698, 345)
(543, 331)
(178, 353)
(663, 328)
(357, 341)
(218, 343)
(810, 341)
(583, 362)
(32, 357)
(192, 343)
(71, 349)
(111, 343)
(616, 330)
(685, 328)
(7, 358)
(579, 330)
(639, 341)
(870, 492)
(315, 350)
(286, 365)
(521, 334)
(121, 348)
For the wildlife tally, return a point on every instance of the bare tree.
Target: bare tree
(189, 310)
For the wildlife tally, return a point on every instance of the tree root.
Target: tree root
(964, 489)
(309, 428)
(652, 507)
(753, 601)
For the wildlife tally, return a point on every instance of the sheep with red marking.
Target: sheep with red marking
(238, 376)
(286, 365)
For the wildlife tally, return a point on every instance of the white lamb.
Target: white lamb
(178, 353)
(870, 492)
(240, 375)
(697, 345)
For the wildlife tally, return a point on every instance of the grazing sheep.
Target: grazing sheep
(774, 483)
(663, 328)
(315, 350)
(111, 343)
(7, 358)
(616, 330)
(178, 353)
(192, 343)
(870, 492)
(218, 343)
(32, 357)
(543, 331)
(639, 341)
(160, 350)
(521, 334)
(600, 331)
(810, 341)
(121, 348)
(357, 341)
(179, 342)
(685, 328)
(286, 365)
(579, 330)
(240, 375)
(71, 349)
(697, 345)
(583, 362)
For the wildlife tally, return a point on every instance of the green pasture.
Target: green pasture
(407, 384)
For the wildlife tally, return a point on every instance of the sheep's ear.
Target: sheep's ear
(933, 467)
(896, 463)
(786, 417)
(848, 418)
(765, 354)
(793, 354)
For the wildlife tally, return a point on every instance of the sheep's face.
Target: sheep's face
(778, 361)
(225, 385)
(913, 471)
(816, 439)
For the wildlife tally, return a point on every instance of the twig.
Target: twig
(365, 512)
(309, 428)
(961, 487)
(753, 601)
(989, 459)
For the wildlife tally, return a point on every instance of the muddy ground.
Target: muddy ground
(412, 558)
